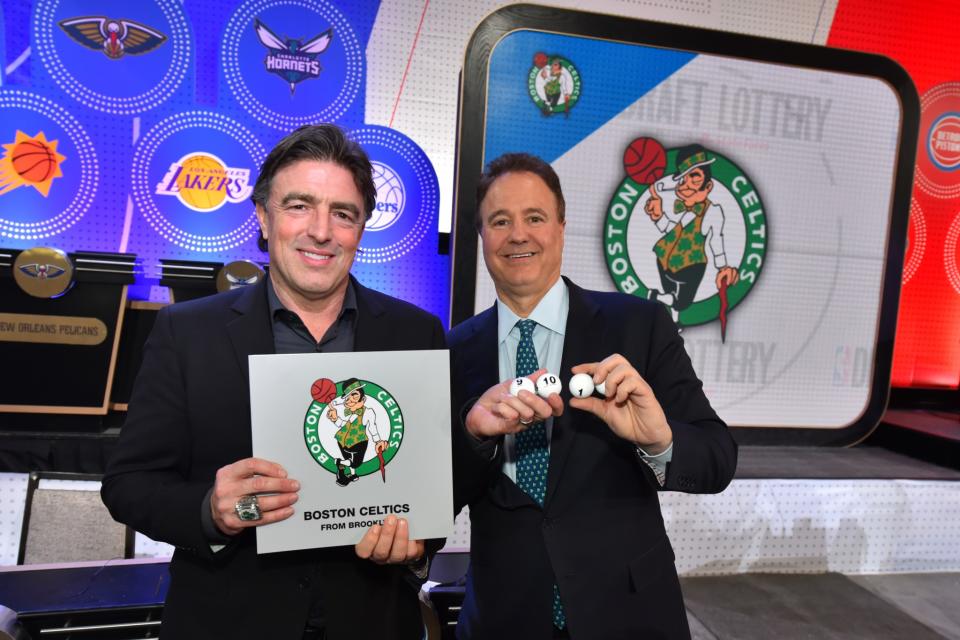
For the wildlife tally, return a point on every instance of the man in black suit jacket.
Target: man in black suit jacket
(182, 471)
(588, 557)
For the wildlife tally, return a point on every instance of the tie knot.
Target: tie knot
(526, 328)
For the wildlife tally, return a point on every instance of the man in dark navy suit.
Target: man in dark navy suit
(567, 537)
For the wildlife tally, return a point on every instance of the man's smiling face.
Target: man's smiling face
(522, 235)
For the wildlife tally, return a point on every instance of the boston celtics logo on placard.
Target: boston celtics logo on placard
(686, 227)
(553, 83)
(352, 428)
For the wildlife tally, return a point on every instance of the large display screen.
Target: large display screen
(757, 189)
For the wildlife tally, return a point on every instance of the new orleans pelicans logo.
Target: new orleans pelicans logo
(353, 428)
(686, 228)
(553, 83)
(203, 182)
(30, 161)
(115, 38)
(43, 272)
(291, 58)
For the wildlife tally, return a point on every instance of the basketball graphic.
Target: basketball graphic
(202, 183)
(540, 60)
(644, 160)
(323, 390)
(31, 161)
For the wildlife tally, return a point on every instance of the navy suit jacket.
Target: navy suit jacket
(190, 415)
(600, 535)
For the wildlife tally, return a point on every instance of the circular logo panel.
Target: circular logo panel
(48, 167)
(951, 254)
(292, 62)
(408, 194)
(938, 163)
(43, 272)
(120, 57)
(193, 174)
(352, 428)
(669, 246)
(916, 241)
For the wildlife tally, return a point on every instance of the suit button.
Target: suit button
(304, 583)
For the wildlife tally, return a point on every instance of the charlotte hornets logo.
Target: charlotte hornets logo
(352, 428)
(292, 59)
(311, 46)
(686, 227)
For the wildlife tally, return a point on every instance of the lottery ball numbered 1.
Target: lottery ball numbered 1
(522, 384)
(581, 385)
(548, 384)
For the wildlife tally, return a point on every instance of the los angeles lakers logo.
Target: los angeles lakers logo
(686, 227)
(30, 162)
(203, 182)
(352, 428)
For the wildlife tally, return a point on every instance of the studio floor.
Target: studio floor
(826, 606)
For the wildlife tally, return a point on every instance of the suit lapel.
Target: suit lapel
(576, 350)
(373, 332)
(251, 332)
(482, 355)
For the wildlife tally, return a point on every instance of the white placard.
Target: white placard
(345, 486)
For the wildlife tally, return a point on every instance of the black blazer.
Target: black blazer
(600, 535)
(190, 415)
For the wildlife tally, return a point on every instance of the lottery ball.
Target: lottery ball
(522, 384)
(548, 384)
(581, 385)
(645, 160)
(323, 390)
(602, 388)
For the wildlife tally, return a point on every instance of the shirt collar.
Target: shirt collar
(550, 312)
(273, 300)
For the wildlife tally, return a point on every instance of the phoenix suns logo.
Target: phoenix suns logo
(352, 428)
(685, 227)
(553, 83)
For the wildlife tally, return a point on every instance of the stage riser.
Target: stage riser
(755, 526)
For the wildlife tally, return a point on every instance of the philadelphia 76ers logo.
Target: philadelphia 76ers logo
(352, 428)
(686, 227)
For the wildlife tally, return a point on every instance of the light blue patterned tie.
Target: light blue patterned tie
(533, 456)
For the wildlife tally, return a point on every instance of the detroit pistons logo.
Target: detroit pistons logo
(352, 428)
(686, 227)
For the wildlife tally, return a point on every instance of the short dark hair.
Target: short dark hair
(326, 142)
(519, 163)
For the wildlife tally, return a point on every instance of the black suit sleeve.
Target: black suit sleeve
(704, 453)
(147, 483)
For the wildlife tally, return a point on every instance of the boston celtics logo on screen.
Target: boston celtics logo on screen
(352, 428)
(686, 227)
(553, 83)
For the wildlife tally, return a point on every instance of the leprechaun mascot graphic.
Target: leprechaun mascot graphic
(356, 426)
(689, 228)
